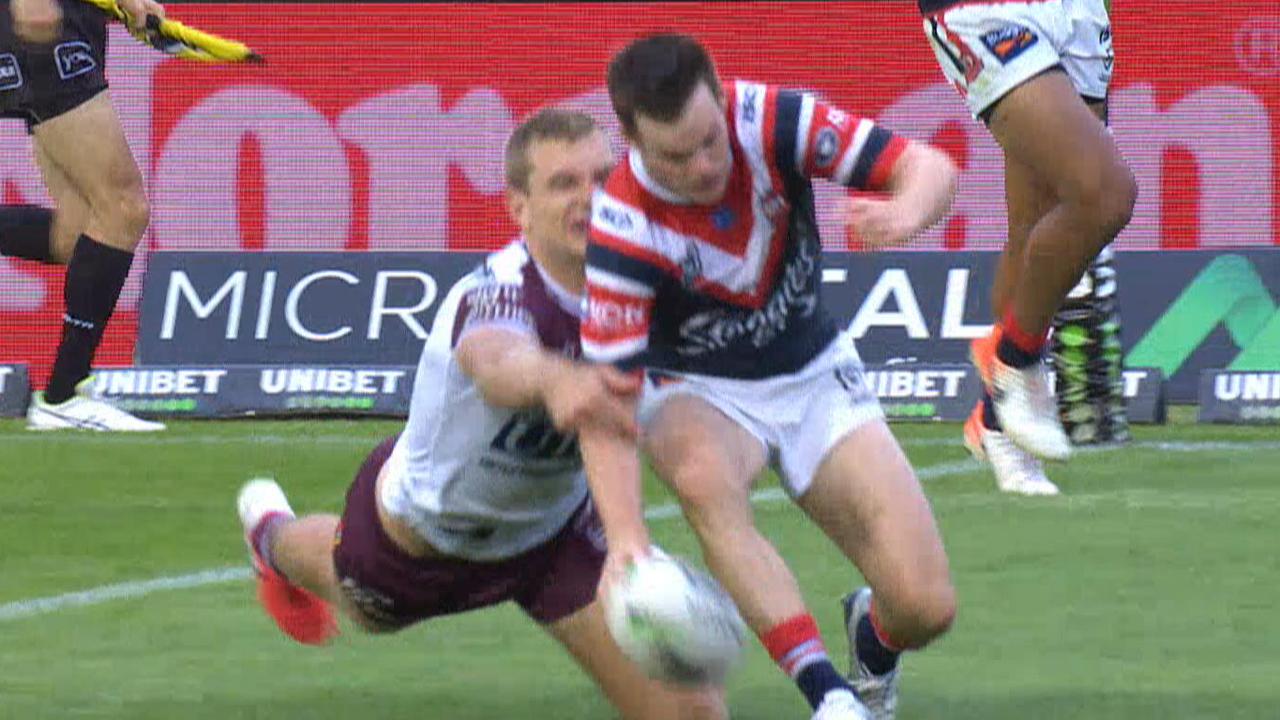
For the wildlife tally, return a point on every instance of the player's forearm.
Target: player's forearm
(924, 180)
(509, 371)
(612, 464)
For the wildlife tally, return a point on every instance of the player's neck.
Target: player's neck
(565, 276)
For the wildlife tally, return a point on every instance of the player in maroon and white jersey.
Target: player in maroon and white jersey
(703, 271)
(482, 498)
(1037, 72)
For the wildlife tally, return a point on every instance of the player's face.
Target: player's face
(556, 211)
(689, 156)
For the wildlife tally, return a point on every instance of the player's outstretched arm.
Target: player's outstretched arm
(612, 463)
(921, 186)
(513, 370)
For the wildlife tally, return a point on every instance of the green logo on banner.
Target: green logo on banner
(1227, 292)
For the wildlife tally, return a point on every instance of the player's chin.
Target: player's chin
(575, 242)
(708, 193)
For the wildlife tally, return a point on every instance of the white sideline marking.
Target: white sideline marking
(119, 591)
(1133, 498)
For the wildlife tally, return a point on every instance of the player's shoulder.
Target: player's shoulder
(504, 267)
(749, 101)
(622, 206)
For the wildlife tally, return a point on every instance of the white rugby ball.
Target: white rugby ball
(675, 622)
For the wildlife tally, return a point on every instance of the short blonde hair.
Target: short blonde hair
(546, 124)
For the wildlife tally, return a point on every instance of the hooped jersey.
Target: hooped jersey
(731, 290)
(478, 481)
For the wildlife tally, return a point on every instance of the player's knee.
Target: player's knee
(1105, 201)
(932, 612)
(920, 614)
(1118, 197)
(706, 492)
(133, 212)
(125, 211)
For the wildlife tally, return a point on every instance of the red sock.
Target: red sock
(264, 534)
(884, 639)
(795, 644)
(1030, 343)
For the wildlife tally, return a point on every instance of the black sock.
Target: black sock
(1013, 356)
(872, 653)
(26, 232)
(818, 679)
(989, 419)
(95, 276)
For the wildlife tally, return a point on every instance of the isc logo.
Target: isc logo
(1258, 46)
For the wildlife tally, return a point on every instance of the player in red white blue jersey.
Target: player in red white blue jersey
(703, 272)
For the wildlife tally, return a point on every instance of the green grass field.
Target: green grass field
(1149, 591)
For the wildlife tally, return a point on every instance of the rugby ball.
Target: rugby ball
(675, 621)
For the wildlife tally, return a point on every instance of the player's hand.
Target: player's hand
(880, 223)
(578, 395)
(618, 562)
(36, 21)
(138, 10)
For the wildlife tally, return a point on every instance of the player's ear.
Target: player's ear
(518, 206)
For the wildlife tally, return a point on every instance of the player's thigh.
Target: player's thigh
(636, 696)
(866, 498)
(705, 454)
(87, 143)
(1044, 126)
(72, 209)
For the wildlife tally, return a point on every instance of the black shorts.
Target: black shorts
(39, 82)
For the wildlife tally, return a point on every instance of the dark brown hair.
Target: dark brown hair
(656, 75)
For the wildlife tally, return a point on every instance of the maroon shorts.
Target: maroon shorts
(395, 590)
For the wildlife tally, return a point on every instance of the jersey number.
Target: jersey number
(533, 437)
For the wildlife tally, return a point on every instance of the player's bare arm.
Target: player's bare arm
(36, 21)
(612, 463)
(921, 186)
(512, 370)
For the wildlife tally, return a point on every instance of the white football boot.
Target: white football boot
(841, 705)
(1017, 471)
(1023, 402)
(878, 692)
(82, 411)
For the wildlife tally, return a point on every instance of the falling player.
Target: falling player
(482, 498)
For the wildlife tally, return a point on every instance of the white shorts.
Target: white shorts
(797, 418)
(988, 49)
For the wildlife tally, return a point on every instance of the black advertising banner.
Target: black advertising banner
(1181, 313)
